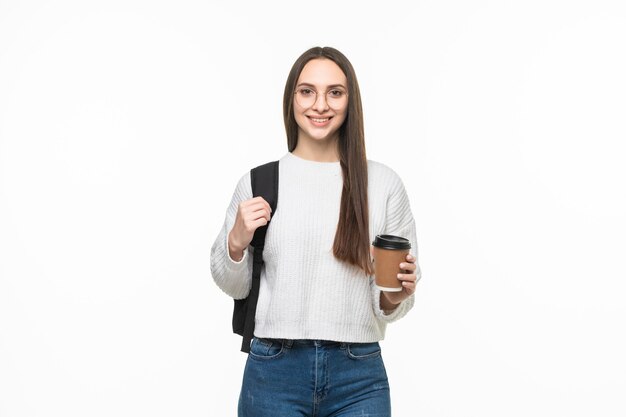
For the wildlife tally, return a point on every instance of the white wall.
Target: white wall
(124, 126)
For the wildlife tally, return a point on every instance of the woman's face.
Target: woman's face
(320, 119)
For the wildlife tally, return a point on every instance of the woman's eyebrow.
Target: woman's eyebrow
(330, 86)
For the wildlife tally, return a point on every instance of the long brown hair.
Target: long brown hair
(352, 240)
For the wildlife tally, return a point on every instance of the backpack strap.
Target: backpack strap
(264, 180)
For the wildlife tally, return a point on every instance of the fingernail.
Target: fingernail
(399, 275)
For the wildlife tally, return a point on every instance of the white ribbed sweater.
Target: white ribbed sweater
(305, 292)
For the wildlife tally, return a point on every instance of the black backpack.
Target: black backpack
(264, 180)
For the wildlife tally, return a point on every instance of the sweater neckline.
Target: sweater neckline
(311, 163)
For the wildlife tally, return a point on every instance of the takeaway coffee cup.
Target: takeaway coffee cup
(389, 252)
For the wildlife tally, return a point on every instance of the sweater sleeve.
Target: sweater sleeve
(232, 277)
(399, 221)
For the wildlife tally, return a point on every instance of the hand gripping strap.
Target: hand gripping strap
(264, 180)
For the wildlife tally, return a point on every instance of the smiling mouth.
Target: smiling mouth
(320, 120)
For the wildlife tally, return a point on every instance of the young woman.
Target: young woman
(319, 316)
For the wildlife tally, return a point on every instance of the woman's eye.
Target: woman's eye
(336, 93)
(306, 91)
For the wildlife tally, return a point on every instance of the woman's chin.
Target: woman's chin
(320, 136)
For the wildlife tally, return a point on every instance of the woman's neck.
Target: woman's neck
(319, 151)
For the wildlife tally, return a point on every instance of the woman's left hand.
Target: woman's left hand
(409, 281)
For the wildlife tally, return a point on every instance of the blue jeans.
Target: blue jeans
(316, 378)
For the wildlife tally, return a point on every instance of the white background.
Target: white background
(125, 125)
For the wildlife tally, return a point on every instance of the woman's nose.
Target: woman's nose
(320, 104)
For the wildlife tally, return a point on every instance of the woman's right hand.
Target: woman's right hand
(251, 214)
